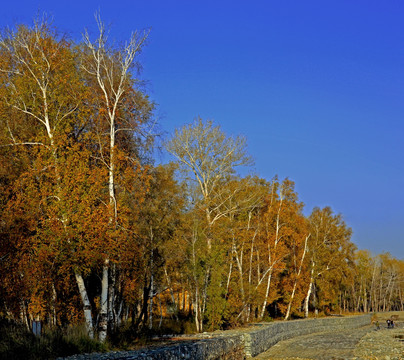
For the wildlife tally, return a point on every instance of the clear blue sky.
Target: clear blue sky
(317, 87)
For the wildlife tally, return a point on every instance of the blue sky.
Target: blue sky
(316, 87)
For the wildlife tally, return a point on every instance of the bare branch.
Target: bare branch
(24, 143)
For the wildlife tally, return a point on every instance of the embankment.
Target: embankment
(235, 344)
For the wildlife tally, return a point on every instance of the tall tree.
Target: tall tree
(211, 158)
(330, 251)
(242, 228)
(282, 235)
(110, 70)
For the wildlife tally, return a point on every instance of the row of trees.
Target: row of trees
(92, 231)
(253, 252)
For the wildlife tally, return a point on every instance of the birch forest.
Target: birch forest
(93, 231)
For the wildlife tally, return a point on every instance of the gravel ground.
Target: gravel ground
(365, 343)
(320, 346)
(385, 344)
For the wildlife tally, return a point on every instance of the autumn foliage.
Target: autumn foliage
(92, 231)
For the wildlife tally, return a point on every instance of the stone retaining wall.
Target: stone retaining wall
(235, 344)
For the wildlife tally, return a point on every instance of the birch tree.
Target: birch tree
(111, 70)
(277, 235)
(329, 248)
(210, 158)
(299, 255)
(243, 230)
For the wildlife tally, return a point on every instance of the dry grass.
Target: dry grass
(382, 317)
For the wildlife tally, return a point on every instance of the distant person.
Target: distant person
(377, 325)
(388, 321)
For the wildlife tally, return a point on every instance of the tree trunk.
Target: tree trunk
(307, 299)
(151, 295)
(229, 276)
(24, 314)
(53, 316)
(103, 321)
(113, 317)
(250, 276)
(197, 312)
(365, 300)
(290, 301)
(239, 261)
(297, 277)
(264, 305)
(86, 305)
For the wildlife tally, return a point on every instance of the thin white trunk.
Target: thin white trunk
(290, 301)
(229, 275)
(307, 299)
(390, 286)
(272, 261)
(151, 296)
(297, 278)
(264, 305)
(239, 261)
(250, 276)
(113, 317)
(197, 311)
(151, 293)
(103, 322)
(86, 305)
(251, 259)
(53, 318)
(365, 300)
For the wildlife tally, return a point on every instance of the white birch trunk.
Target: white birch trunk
(290, 301)
(307, 299)
(297, 278)
(103, 323)
(151, 293)
(272, 261)
(113, 316)
(264, 305)
(365, 300)
(86, 305)
(197, 311)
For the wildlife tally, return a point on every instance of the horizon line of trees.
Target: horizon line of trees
(92, 231)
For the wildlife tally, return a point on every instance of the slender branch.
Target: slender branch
(24, 143)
